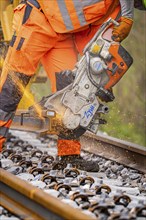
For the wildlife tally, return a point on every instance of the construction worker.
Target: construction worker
(54, 32)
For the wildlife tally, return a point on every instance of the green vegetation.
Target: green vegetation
(127, 117)
(124, 125)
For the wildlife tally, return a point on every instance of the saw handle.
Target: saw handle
(103, 27)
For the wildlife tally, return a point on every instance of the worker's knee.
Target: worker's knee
(12, 91)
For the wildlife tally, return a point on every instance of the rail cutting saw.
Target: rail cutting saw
(81, 105)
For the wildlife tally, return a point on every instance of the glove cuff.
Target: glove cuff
(127, 20)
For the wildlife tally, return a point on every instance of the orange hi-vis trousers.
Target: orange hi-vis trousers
(33, 41)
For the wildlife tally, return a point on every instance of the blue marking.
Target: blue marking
(98, 65)
(89, 112)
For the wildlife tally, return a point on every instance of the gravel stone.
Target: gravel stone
(107, 163)
(134, 176)
(114, 168)
(124, 171)
(114, 175)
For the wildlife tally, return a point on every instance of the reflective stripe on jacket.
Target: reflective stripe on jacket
(71, 15)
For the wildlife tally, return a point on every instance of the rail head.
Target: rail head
(123, 152)
(118, 142)
(37, 195)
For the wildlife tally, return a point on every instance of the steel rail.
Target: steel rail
(123, 152)
(24, 122)
(29, 202)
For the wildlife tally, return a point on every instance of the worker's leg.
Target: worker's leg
(64, 57)
(10, 95)
(5, 122)
(32, 39)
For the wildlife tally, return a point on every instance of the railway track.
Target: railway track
(123, 152)
(117, 191)
(28, 202)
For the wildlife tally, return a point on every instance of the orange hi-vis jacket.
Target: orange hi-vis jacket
(72, 15)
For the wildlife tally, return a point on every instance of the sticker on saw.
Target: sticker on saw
(89, 112)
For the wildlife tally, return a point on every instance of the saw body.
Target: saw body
(80, 105)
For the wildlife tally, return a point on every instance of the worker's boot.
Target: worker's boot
(76, 161)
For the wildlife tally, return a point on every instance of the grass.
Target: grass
(123, 126)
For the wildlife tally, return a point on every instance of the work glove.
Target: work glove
(122, 31)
